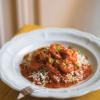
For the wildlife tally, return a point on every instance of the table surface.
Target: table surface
(6, 93)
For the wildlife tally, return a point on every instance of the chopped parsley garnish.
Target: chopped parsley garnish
(79, 51)
(58, 48)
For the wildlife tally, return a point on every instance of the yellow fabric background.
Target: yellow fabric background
(90, 96)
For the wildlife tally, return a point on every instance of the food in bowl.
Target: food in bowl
(55, 66)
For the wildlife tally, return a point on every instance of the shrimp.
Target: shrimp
(69, 54)
(52, 69)
(41, 57)
(66, 68)
(54, 50)
(63, 67)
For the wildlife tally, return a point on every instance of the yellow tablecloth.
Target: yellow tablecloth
(90, 96)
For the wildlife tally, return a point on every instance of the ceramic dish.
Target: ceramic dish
(11, 55)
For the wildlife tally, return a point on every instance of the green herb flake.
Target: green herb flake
(58, 47)
(79, 51)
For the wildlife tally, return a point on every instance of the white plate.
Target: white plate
(12, 53)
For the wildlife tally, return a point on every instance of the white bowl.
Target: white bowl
(11, 55)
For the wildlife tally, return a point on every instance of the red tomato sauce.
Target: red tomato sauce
(55, 66)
